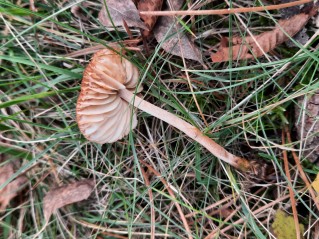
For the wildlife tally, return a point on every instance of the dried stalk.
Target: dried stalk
(291, 192)
(224, 11)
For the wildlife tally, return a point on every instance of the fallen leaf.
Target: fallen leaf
(308, 126)
(250, 47)
(169, 33)
(120, 10)
(284, 226)
(10, 190)
(149, 5)
(78, 12)
(315, 183)
(64, 195)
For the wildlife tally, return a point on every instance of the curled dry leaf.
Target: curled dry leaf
(250, 47)
(120, 10)
(308, 125)
(64, 195)
(149, 5)
(173, 39)
(10, 190)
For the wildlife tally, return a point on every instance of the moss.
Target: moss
(284, 226)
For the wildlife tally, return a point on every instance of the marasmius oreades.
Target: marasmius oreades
(105, 115)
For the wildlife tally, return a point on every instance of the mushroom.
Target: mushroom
(105, 114)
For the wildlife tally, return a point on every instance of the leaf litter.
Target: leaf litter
(119, 11)
(170, 34)
(65, 195)
(256, 46)
(308, 126)
(12, 189)
(149, 5)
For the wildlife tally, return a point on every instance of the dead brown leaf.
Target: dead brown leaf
(120, 10)
(10, 190)
(149, 5)
(173, 39)
(64, 195)
(308, 125)
(78, 12)
(250, 47)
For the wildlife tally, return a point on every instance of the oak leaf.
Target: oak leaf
(149, 5)
(11, 189)
(119, 11)
(64, 195)
(169, 33)
(251, 47)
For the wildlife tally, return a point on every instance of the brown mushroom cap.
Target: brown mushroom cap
(102, 116)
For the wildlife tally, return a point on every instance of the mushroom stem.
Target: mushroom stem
(194, 133)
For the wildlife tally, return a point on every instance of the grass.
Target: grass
(246, 104)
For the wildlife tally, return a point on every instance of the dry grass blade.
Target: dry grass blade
(119, 231)
(301, 171)
(147, 183)
(171, 193)
(250, 47)
(242, 220)
(11, 190)
(64, 195)
(120, 10)
(227, 199)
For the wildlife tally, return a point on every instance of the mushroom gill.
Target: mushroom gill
(102, 116)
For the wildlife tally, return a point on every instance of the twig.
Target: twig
(291, 192)
(212, 234)
(147, 183)
(302, 173)
(134, 234)
(213, 205)
(111, 235)
(93, 49)
(224, 11)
